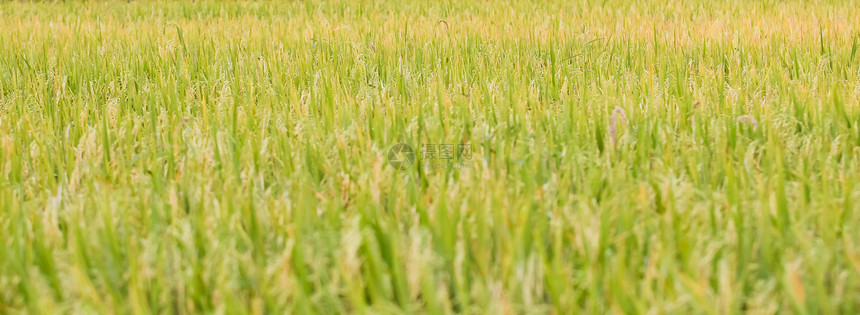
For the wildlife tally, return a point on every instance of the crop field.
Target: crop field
(430, 157)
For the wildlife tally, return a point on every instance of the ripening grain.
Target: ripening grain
(233, 157)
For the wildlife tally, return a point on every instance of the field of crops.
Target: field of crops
(480, 157)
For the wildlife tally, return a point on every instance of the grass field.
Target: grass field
(607, 157)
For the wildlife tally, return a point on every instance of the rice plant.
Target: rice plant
(478, 157)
